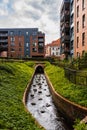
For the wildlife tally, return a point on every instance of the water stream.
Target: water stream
(40, 104)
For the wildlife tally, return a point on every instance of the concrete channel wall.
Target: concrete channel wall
(70, 110)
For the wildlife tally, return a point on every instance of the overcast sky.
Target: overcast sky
(42, 14)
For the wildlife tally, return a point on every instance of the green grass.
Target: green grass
(74, 93)
(80, 126)
(13, 80)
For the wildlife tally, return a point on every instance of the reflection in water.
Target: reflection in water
(41, 105)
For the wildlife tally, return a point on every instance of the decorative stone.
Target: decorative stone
(48, 105)
(33, 103)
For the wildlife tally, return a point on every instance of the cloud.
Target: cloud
(43, 14)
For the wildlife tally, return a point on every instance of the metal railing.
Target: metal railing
(75, 76)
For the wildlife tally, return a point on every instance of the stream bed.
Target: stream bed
(40, 104)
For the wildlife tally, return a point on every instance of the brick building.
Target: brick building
(76, 30)
(53, 49)
(80, 31)
(17, 42)
(72, 27)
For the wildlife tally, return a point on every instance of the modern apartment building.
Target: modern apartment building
(65, 27)
(72, 28)
(17, 42)
(37, 46)
(80, 31)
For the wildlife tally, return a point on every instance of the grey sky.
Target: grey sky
(43, 14)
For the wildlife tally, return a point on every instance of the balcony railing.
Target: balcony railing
(40, 40)
(72, 37)
(4, 40)
(4, 46)
(3, 35)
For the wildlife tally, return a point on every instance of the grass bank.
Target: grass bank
(74, 93)
(13, 80)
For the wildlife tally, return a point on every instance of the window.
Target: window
(53, 54)
(34, 43)
(34, 50)
(26, 33)
(27, 44)
(83, 39)
(12, 39)
(19, 32)
(12, 49)
(12, 44)
(83, 53)
(78, 54)
(83, 4)
(20, 44)
(57, 53)
(11, 33)
(77, 27)
(83, 21)
(77, 42)
(20, 49)
(41, 45)
(77, 11)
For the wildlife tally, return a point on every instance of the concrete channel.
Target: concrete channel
(41, 105)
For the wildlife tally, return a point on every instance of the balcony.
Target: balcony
(66, 25)
(3, 47)
(67, 37)
(3, 35)
(72, 1)
(40, 40)
(71, 51)
(4, 40)
(72, 25)
(72, 37)
(72, 11)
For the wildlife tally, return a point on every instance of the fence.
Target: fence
(75, 76)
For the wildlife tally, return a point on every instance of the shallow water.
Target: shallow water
(40, 104)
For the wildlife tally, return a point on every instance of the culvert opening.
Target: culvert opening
(39, 70)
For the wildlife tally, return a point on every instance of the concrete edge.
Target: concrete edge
(67, 108)
(24, 100)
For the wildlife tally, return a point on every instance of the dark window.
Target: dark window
(83, 4)
(77, 42)
(20, 49)
(20, 44)
(83, 21)
(34, 50)
(77, 11)
(83, 53)
(77, 27)
(12, 49)
(83, 39)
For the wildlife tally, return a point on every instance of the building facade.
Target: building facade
(80, 31)
(72, 28)
(76, 30)
(17, 42)
(65, 27)
(53, 49)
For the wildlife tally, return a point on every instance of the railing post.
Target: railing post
(86, 80)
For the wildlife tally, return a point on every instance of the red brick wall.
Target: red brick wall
(81, 30)
(18, 49)
(35, 54)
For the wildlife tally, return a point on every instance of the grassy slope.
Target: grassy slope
(70, 91)
(13, 80)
